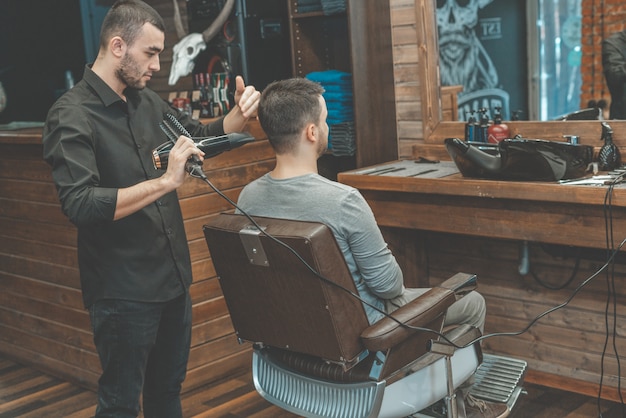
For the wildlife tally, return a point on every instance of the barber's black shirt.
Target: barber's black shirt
(97, 143)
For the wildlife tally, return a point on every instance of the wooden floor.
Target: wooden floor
(25, 392)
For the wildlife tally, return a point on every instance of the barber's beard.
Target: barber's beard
(130, 73)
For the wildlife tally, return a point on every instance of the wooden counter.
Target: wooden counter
(533, 211)
(439, 226)
(42, 319)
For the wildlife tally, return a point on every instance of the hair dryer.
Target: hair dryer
(211, 146)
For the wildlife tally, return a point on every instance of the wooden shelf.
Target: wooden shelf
(308, 15)
(358, 42)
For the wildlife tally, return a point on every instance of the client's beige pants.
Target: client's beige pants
(470, 309)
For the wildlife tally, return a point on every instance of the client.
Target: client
(293, 115)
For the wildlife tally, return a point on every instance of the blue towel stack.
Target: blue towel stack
(330, 7)
(339, 101)
(343, 139)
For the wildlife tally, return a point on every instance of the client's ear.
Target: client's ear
(311, 132)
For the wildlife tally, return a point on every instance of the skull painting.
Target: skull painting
(185, 51)
(463, 59)
(457, 14)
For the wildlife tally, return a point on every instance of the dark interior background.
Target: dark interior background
(39, 41)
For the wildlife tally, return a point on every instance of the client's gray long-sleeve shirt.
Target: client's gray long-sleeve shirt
(342, 208)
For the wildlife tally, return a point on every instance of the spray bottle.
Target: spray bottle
(483, 128)
(609, 156)
(498, 131)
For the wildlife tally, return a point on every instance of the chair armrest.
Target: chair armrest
(460, 335)
(461, 284)
(420, 312)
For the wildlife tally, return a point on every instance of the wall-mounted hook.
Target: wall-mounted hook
(524, 259)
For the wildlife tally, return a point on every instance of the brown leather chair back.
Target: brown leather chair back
(274, 298)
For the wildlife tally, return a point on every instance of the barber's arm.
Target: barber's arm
(246, 105)
(134, 198)
(70, 148)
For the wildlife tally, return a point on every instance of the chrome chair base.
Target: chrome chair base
(498, 379)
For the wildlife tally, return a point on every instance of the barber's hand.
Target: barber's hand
(178, 157)
(246, 97)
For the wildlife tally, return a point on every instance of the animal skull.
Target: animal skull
(188, 48)
(185, 51)
(455, 15)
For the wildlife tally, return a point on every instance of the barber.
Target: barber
(134, 261)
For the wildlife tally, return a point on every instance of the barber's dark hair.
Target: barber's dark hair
(286, 107)
(126, 19)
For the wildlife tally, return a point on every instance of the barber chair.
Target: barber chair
(290, 294)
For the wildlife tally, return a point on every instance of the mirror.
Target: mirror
(523, 58)
(435, 130)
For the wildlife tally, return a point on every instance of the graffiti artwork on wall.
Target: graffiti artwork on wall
(465, 61)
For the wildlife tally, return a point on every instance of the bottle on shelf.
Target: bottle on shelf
(470, 126)
(498, 131)
(482, 126)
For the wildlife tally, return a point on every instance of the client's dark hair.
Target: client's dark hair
(286, 106)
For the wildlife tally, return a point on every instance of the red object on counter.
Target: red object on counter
(498, 131)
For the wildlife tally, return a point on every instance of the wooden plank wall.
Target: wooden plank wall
(408, 106)
(568, 342)
(42, 319)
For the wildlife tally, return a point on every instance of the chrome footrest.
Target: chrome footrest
(499, 379)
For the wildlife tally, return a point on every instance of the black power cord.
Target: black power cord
(566, 283)
(611, 300)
